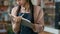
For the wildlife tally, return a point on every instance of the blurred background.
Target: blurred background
(51, 10)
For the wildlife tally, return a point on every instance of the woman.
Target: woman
(30, 12)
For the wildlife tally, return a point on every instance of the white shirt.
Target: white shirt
(24, 11)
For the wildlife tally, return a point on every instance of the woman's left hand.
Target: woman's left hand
(38, 28)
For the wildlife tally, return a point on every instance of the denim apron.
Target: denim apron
(24, 29)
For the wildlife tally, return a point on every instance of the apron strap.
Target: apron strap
(18, 10)
(32, 13)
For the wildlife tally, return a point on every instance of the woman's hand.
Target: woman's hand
(16, 24)
(38, 28)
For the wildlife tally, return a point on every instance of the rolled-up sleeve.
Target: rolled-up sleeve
(40, 21)
(41, 17)
(13, 12)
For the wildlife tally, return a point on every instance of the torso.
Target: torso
(27, 14)
(24, 29)
(27, 30)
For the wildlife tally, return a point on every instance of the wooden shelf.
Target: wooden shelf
(3, 8)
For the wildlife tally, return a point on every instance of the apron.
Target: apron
(24, 29)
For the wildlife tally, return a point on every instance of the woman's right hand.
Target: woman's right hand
(16, 24)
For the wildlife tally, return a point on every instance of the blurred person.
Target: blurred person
(36, 2)
(33, 13)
